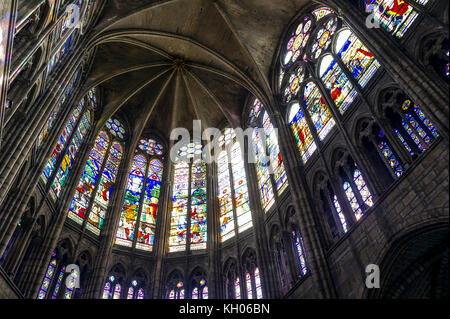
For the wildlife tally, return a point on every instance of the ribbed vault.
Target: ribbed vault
(167, 63)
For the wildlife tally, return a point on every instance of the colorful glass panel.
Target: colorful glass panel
(147, 223)
(225, 198)
(276, 161)
(178, 221)
(302, 133)
(116, 128)
(151, 147)
(395, 16)
(341, 216)
(69, 158)
(318, 110)
(262, 170)
(299, 247)
(359, 60)
(105, 188)
(352, 200)
(363, 188)
(298, 39)
(242, 202)
(59, 147)
(259, 294)
(86, 185)
(198, 231)
(336, 82)
(127, 222)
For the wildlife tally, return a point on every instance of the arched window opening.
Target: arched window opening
(380, 151)
(300, 252)
(322, 66)
(353, 186)
(271, 174)
(56, 275)
(410, 125)
(96, 183)
(235, 212)
(135, 290)
(253, 282)
(395, 16)
(189, 195)
(177, 292)
(141, 200)
(113, 286)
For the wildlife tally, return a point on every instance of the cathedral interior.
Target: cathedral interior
(347, 105)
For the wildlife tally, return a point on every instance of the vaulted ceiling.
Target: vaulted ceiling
(166, 63)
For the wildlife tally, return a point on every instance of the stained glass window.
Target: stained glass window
(318, 110)
(189, 194)
(336, 82)
(341, 216)
(299, 38)
(388, 155)
(262, 171)
(259, 294)
(125, 232)
(60, 145)
(58, 282)
(248, 284)
(140, 294)
(237, 289)
(323, 37)
(116, 128)
(94, 188)
(417, 127)
(88, 180)
(353, 201)
(322, 12)
(116, 294)
(243, 213)
(267, 155)
(362, 188)
(178, 220)
(276, 161)
(302, 133)
(151, 147)
(147, 223)
(141, 198)
(395, 16)
(195, 293)
(294, 83)
(300, 250)
(225, 197)
(106, 291)
(178, 292)
(68, 160)
(198, 206)
(51, 269)
(359, 60)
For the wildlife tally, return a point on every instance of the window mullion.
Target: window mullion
(66, 146)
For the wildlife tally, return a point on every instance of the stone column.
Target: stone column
(301, 199)
(107, 236)
(7, 26)
(56, 225)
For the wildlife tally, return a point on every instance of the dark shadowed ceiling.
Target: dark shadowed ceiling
(166, 63)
